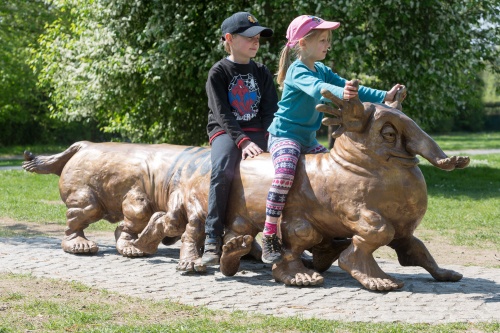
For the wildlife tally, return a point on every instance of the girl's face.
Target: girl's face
(315, 48)
(243, 48)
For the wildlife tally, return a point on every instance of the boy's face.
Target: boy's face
(244, 48)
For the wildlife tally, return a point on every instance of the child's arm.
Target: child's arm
(312, 85)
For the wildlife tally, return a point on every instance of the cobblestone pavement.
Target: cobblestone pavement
(476, 298)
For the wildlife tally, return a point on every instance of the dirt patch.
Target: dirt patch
(13, 228)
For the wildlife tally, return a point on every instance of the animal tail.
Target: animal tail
(52, 163)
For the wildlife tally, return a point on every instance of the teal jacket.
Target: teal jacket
(297, 117)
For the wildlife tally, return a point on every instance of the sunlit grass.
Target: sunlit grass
(464, 204)
(34, 198)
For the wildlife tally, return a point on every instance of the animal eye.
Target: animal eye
(389, 133)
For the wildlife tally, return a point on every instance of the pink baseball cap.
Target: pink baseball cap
(301, 26)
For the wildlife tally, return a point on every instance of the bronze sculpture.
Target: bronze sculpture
(368, 189)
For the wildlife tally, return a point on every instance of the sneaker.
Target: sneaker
(271, 249)
(212, 251)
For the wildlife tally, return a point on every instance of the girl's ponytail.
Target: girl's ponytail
(283, 65)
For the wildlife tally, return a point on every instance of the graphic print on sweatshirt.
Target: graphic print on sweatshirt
(244, 96)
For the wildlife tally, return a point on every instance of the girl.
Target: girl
(293, 130)
(242, 100)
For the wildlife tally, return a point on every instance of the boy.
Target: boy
(242, 100)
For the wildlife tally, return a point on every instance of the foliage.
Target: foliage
(21, 102)
(24, 114)
(436, 48)
(139, 67)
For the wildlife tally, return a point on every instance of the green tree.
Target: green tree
(139, 67)
(22, 104)
(437, 48)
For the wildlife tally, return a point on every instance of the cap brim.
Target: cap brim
(252, 31)
(327, 25)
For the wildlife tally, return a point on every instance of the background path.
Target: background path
(422, 300)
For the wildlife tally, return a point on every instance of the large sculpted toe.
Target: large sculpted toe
(238, 246)
(130, 251)
(125, 243)
(381, 284)
(127, 249)
(365, 269)
(191, 266)
(79, 245)
(232, 251)
(442, 274)
(304, 279)
(294, 273)
(190, 259)
(385, 283)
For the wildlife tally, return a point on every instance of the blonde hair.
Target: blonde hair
(296, 51)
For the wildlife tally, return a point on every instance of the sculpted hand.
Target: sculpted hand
(250, 149)
(350, 90)
(391, 94)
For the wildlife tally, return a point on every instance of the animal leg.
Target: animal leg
(161, 226)
(136, 210)
(193, 236)
(83, 210)
(371, 232)
(192, 242)
(412, 252)
(297, 237)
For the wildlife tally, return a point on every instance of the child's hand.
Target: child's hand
(250, 149)
(389, 97)
(350, 90)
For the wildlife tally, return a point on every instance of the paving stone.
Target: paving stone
(476, 298)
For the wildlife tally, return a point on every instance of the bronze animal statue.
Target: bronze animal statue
(368, 189)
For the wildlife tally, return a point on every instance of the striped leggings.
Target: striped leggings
(285, 154)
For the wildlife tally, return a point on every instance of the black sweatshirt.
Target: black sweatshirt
(241, 97)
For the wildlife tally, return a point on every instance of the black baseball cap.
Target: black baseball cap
(244, 24)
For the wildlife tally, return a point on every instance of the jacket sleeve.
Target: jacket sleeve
(312, 85)
(366, 94)
(269, 99)
(218, 103)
